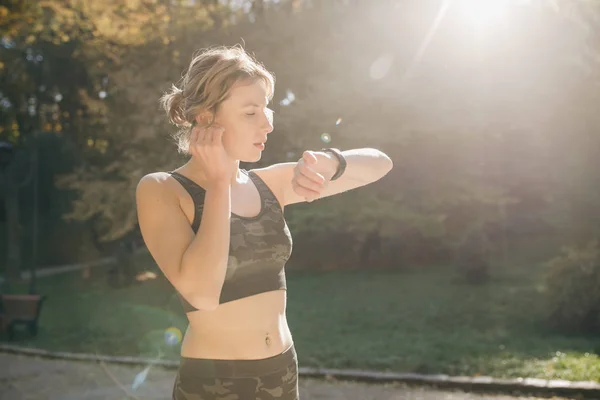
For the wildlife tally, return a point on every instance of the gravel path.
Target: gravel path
(32, 378)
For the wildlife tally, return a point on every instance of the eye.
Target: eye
(251, 114)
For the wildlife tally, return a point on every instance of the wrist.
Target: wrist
(330, 163)
(340, 162)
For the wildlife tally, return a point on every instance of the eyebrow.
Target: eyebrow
(251, 103)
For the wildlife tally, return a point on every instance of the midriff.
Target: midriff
(237, 330)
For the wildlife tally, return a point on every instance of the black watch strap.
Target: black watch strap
(342, 162)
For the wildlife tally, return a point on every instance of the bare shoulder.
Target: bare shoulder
(156, 191)
(154, 180)
(156, 184)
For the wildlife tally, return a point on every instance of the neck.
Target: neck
(196, 170)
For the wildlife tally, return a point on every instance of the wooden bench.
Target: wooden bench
(20, 309)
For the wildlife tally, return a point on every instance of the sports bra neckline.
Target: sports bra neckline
(252, 177)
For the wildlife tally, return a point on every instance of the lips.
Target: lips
(260, 145)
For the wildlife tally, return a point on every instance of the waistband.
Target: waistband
(209, 368)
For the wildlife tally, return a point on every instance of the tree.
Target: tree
(57, 63)
(473, 127)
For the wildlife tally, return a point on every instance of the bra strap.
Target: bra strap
(266, 194)
(196, 192)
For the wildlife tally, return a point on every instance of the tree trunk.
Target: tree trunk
(13, 265)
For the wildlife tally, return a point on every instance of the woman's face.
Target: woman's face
(246, 119)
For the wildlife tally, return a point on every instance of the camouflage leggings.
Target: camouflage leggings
(266, 379)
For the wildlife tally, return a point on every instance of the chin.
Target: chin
(251, 158)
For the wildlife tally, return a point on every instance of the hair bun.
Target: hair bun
(173, 103)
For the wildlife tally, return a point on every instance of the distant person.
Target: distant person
(218, 232)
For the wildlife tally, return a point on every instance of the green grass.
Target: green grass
(422, 321)
(429, 323)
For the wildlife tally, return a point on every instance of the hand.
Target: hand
(307, 182)
(206, 147)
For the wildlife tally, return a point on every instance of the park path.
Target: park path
(33, 378)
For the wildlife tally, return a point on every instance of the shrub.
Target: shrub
(572, 289)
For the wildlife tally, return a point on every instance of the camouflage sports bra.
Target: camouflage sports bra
(259, 246)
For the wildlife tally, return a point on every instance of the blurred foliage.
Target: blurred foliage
(493, 135)
(573, 289)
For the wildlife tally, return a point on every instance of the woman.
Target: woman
(218, 232)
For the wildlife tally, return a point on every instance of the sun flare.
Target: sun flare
(482, 13)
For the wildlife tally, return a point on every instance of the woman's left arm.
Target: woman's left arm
(310, 178)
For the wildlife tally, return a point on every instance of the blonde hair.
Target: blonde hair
(207, 83)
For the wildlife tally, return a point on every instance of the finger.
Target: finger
(197, 134)
(303, 181)
(301, 169)
(309, 157)
(206, 136)
(193, 138)
(303, 191)
(196, 130)
(312, 175)
(304, 184)
(217, 135)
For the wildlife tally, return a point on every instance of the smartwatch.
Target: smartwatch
(342, 162)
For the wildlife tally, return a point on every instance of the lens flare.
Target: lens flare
(172, 336)
(289, 98)
(140, 378)
(381, 66)
(326, 137)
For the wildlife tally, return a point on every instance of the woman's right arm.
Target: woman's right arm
(194, 264)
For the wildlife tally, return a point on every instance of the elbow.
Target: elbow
(202, 302)
(205, 303)
(388, 164)
(202, 292)
(201, 297)
(384, 166)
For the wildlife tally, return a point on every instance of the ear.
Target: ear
(201, 119)
(204, 118)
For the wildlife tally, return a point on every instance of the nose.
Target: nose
(268, 121)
